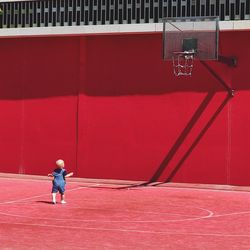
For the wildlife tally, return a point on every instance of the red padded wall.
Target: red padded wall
(111, 108)
(135, 110)
(10, 108)
(39, 86)
(240, 109)
(137, 121)
(50, 102)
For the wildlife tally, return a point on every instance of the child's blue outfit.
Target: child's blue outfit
(59, 180)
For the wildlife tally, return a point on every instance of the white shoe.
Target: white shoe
(63, 202)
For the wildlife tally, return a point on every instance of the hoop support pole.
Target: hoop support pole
(219, 79)
(164, 51)
(230, 61)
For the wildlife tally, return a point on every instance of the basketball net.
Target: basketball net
(183, 63)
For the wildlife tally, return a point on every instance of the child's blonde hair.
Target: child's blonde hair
(60, 163)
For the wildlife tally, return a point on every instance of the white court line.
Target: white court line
(210, 214)
(44, 180)
(38, 196)
(141, 187)
(129, 230)
(195, 189)
(20, 179)
(230, 214)
(113, 210)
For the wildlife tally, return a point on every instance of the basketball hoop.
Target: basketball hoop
(194, 38)
(187, 39)
(183, 63)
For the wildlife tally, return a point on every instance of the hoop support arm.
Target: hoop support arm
(217, 77)
(230, 61)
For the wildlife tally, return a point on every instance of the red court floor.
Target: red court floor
(107, 215)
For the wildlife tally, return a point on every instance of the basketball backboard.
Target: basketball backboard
(187, 39)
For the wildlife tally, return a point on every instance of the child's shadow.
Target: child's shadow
(46, 202)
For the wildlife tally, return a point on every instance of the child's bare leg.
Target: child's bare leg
(62, 198)
(54, 198)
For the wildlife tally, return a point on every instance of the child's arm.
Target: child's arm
(69, 175)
